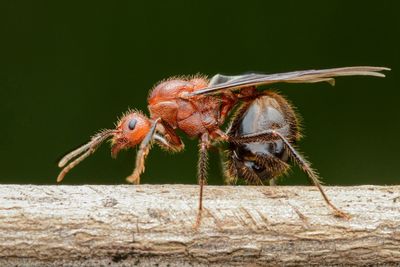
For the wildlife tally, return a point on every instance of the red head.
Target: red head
(130, 131)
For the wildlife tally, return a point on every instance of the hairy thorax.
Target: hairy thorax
(193, 116)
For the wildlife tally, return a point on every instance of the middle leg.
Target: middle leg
(202, 173)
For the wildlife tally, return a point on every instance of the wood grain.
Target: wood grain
(150, 225)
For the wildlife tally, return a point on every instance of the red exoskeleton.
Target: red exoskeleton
(261, 135)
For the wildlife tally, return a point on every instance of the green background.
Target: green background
(71, 68)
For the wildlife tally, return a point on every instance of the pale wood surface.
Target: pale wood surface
(152, 225)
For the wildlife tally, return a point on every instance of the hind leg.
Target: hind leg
(269, 135)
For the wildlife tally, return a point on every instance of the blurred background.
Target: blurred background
(70, 68)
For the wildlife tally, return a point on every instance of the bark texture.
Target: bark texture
(152, 225)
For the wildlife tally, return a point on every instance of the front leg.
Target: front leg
(144, 149)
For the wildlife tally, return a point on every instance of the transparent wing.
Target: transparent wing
(220, 82)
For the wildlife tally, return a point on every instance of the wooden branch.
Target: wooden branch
(152, 224)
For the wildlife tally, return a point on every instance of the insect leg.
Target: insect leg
(229, 173)
(262, 137)
(166, 137)
(271, 135)
(144, 149)
(306, 167)
(202, 173)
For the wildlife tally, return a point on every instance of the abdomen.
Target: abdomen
(258, 162)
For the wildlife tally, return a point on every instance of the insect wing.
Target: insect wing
(220, 82)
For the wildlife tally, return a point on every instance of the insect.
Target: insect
(261, 135)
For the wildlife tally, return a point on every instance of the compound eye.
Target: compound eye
(132, 124)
